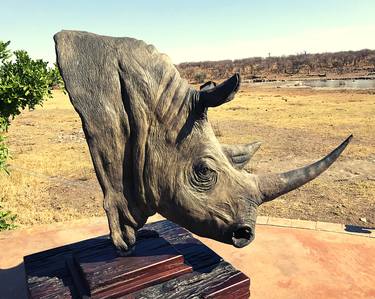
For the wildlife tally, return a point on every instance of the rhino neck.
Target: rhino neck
(156, 116)
(125, 92)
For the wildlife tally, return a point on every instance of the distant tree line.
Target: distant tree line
(338, 63)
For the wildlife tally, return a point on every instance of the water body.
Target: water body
(337, 84)
(323, 83)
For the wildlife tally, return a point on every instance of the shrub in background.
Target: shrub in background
(199, 77)
(6, 220)
(24, 83)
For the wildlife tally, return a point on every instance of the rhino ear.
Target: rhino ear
(240, 155)
(208, 85)
(217, 95)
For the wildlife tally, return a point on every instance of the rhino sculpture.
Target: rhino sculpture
(153, 147)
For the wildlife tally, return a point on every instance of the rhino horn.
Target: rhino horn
(213, 96)
(207, 85)
(272, 186)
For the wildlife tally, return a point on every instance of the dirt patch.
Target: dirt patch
(52, 176)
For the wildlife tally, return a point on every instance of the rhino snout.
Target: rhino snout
(242, 236)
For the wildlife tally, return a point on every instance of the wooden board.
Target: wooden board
(167, 262)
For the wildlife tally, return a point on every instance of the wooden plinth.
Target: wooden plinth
(167, 262)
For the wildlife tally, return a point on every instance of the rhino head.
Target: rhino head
(153, 147)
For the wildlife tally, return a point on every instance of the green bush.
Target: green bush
(56, 79)
(199, 77)
(6, 220)
(4, 154)
(24, 83)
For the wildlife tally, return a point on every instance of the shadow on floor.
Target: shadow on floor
(358, 229)
(13, 283)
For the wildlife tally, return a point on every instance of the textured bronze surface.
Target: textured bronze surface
(153, 147)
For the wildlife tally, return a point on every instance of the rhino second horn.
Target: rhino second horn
(274, 185)
(213, 96)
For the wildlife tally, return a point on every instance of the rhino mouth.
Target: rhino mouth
(242, 236)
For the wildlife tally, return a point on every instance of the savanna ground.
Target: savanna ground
(52, 177)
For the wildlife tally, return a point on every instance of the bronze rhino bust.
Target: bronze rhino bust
(153, 147)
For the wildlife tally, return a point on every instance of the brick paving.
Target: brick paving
(289, 258)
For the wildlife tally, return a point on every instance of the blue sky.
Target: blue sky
(197, 30)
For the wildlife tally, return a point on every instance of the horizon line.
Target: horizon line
(276, 56)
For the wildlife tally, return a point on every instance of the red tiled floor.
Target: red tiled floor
(282, 262)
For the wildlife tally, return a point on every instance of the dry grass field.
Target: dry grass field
(52, 177)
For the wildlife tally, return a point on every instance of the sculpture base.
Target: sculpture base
(166, 262)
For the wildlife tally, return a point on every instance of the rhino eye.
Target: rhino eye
(203, 178)
(204, 170)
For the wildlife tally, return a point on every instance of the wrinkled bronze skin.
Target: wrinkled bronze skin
(153, 147)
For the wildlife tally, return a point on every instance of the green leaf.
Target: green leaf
(24, 82)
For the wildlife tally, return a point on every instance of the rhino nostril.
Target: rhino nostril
(242, 236)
